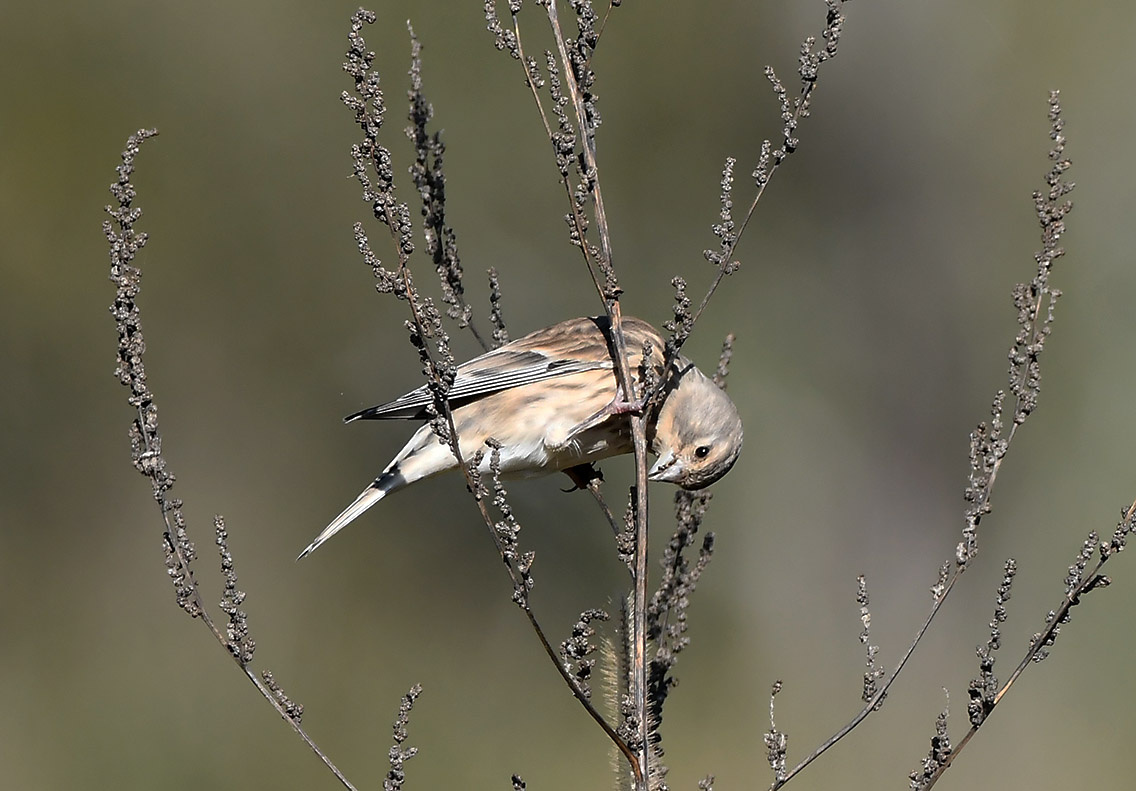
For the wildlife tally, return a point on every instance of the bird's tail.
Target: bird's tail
(384, 484)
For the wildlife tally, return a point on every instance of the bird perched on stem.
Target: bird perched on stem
(551, 401)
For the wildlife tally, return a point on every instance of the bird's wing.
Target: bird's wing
(567, 348)
(502, 372)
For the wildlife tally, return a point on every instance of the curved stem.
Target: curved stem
(207, 619)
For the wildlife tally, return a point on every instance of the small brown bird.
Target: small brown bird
(552, 402)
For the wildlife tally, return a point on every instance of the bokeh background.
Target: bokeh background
(873, 317)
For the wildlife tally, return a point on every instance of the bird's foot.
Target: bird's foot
(618, 406)
(621, 406)
(581, 476)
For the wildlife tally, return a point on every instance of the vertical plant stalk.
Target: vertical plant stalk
(598, 262)
(610, 296)
(368, 106)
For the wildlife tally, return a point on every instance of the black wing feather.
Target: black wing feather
(479, 381)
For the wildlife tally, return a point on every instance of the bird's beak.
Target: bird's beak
(667, 468)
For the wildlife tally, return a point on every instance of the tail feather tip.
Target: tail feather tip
(371, 495)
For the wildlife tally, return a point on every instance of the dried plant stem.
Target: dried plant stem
(724, 266)
(430, 180)
(769, 161)
(988, 446)
(1039, 643)
(577, 217)
(148, 459)
(876, 701)
(594, 488)
(587, 131)
(609, 293)
(614, 311)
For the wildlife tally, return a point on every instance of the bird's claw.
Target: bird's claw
(618, 406)
(581, 476)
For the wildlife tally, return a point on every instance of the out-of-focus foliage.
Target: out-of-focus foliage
(872, 312)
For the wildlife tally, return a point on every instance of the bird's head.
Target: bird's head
(698, 433)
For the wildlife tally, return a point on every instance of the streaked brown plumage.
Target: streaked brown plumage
(548, 399)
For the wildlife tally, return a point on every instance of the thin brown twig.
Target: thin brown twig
(876, 701)
(429, 179)
(578, 221)
(614, 311)
(124, 245)
(1024, 385)
(528, 78)
(610, 295)
(788, 146)
(1040, 642)
(594, 487)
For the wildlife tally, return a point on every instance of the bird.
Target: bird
(551, 401)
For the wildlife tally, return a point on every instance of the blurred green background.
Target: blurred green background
(873, 318)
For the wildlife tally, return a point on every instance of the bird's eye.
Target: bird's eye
(702, 451)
